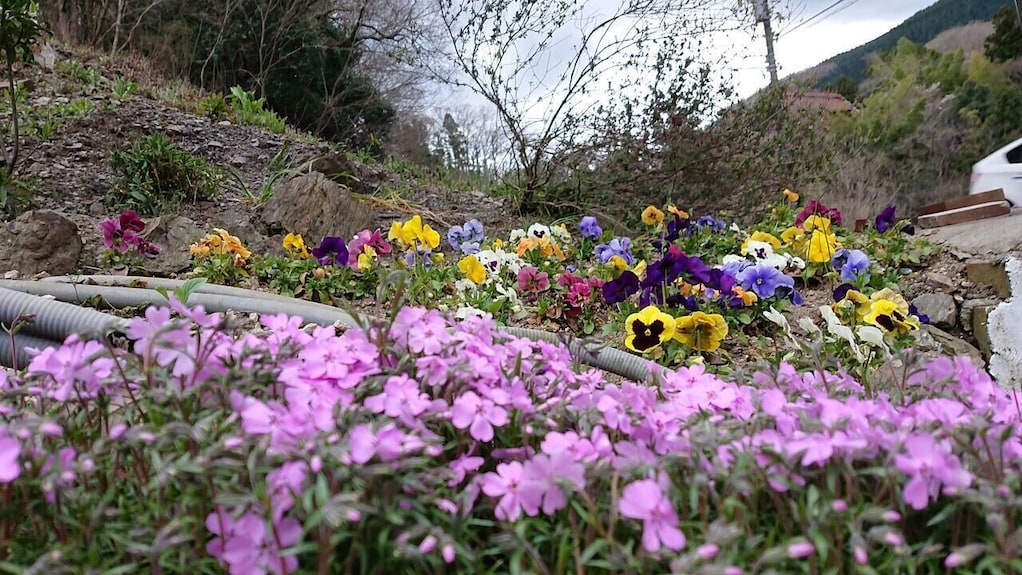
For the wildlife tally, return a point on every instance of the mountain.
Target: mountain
(920, 28)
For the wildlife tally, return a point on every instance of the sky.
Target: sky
(803, 43)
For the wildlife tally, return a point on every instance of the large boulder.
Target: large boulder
(40, 241)
(173, 234)
(314, 206)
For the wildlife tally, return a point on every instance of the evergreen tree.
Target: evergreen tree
(1005, 43)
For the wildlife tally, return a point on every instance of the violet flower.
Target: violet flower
(331, 251)
(590, 228)
(617, 247)
(885, 219)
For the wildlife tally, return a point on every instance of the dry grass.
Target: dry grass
(968, 38)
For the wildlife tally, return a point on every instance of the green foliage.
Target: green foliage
(123, 89)
(847, 87)
(153, 176)
(922, 27)
(1005, 43)
(251, 111)
(214, 107)
(20, 29)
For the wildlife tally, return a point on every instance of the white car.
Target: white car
(1000, 170)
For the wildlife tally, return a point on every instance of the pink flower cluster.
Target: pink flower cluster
(123, 235)
(579, 290)
(495, 427)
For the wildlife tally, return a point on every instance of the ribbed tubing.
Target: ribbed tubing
(217, 298)
(22, 342)
(53, 319)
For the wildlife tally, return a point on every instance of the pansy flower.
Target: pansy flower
(473, 269)
(590, 228)
(295, 245)
(331, 251)
(620, 288)
(652, 216)
(885, 219)
(648, 329)
(701, 331)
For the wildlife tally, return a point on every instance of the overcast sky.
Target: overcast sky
(803, 43)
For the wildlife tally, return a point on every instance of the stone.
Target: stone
(947, 344)
(314, 206)
(939, 281)
(1005, 335)
(990, 273)
(965, 315)
(40, 241)
(173, 234)
(940, 307)
(980, 328)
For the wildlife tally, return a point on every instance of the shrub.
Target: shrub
(421, 446)
(214, 106)
(154, 176)
(252, 112)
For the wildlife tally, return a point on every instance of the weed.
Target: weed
(155, 176)
(123, 89)
(214, 107)
(252, 112)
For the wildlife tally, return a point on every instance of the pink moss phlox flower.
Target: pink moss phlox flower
(462, 466)
(800, 549)
(517, 492)
(553, 474)
(77, 365)
(930, 465)
(478, 415)
(645, 500)
(285, 483)
(250, 548)
(430, 335)
(10, 459)
(401, 399)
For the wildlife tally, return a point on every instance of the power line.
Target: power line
(817, 15)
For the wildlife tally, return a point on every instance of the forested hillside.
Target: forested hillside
(922, 27)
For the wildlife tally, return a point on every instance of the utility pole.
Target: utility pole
(763, 15)
(1018, 12)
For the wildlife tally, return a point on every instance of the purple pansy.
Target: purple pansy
(331, 251)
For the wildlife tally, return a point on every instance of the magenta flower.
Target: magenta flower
(10, 459)
(552, 473)
(401, 398)
(517, 493)
(800, 550)
(478, 415)
(531, 280)
(646, 501)
(250, 549)
(929, 465)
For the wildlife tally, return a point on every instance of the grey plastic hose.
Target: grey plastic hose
(119, 297)
(169, 284)
(22, 342)
(226, 298)
(53, 319)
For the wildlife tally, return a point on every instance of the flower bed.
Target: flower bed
(422, 445)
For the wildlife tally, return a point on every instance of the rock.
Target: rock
(1005, 335)
(97, 209)
(940, 307)
(40, 241)
(929, 337)
(173, 234)
(239, 161)
(47, 57)
(939, 281)
(239, 223)
(314, 206)
(990, 273)
(980, 328)
(965, 315)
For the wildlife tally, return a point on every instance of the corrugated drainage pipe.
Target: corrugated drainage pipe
(596, 355)
(20, 346)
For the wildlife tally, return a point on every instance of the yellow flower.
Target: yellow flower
(816, 222)
(790, 195)
(498, 244)
(473, 270)
(793, 236)
(295, 245)
(748, 298)
(702, 331)
(885, 314)
(367, 258)
(618, 262)
(680, 213)
(640, 269)
(546, 247)
(648, 329)
(652, 216)
(413, 234)
(761, 237)
(858, 301)
(219, 243)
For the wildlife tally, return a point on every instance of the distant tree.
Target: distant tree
(845, 86)
(1006, 41)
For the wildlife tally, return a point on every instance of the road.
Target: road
(993, 236)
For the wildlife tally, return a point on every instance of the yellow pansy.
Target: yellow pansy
(473, 269)
(816, 222)
(764, 237)
(652, 216)
(618, 262)
(885, 314)
(857, 300)
(295, 245)
(701, 331)
(680, 213)
(790, 195)
(793, 236)
(640, 269)
(748, 298)
(648, 329)
(367, 258)
(413, 234)
(821, 246)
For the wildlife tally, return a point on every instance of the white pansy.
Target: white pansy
(731, 259)
(840, 331)
(777, 318)
(759, 250)
(776, 261)
(560, 234)
(517, 236)
(873, 336)
(795, 262)
(808, 326)
(464, 286)
(539, 231)
(468, 311)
